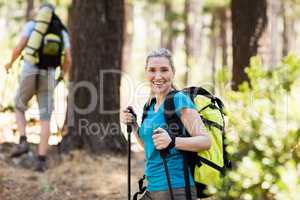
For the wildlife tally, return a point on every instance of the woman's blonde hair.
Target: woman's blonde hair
(161, 52)
(165, 53)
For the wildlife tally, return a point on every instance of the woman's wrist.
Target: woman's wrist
(135, 127)
(172, 144)
(136, 132)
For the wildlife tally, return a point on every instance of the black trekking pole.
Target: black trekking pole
(163, 154)
(129, 130)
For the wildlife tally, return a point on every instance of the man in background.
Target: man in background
(39, 81)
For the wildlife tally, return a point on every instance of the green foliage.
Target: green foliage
(46, 187)
(211, 5)
(264, 133)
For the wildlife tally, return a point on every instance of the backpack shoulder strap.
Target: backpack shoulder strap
(176, 128)
(63, 27)
(169, 106)
(174, 123)
(146, 108)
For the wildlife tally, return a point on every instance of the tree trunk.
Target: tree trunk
(269, 49)
(213, 51)
(93, 102)
(192, 35)
(29, 9)
(197, 31)
(128, 35)
(249, 19)
(273, 13)
(167, 33)
(223, 18)
(187, 39)
(287, 35)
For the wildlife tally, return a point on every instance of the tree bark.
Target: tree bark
(93, 103)
(288, 33)
(167, 38)
(269, 49)
(128, 35)
(213, 51)
(29, 8)
(187, 39)
(273, 13)
(249, 19)
(192, 35)
(223, 18)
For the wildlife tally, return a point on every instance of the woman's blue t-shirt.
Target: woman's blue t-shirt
(154, 169)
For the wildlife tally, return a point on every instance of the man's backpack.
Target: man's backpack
(207, 167)
(45, 44)
(50, 51)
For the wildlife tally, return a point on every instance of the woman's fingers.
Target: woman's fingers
(160, 146)
(127, 117)
(161, 138)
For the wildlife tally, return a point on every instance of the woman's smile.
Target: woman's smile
(158, 84)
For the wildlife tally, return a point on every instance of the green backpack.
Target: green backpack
(207, 167)
(45, 44)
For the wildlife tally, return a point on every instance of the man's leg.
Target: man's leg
(45, 100)
(21, 122)
(44, 137)
(23, 146)
(43, 146)
(25, 92)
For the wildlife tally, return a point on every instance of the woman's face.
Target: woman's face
(160, 74)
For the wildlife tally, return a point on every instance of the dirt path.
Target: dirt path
(76, 176)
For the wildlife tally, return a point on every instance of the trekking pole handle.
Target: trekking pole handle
(163, 152)
(129, 127)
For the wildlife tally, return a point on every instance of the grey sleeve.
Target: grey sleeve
(66, 40)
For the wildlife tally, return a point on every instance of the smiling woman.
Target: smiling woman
(154, 136)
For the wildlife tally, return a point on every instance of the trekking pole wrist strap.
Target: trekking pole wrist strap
(172, 143)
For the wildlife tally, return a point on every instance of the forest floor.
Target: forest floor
(74, 176)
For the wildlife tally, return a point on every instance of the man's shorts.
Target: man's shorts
(36, 81)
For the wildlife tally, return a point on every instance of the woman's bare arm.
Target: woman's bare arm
(199, 139)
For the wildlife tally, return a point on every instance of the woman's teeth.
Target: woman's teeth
(158, 83)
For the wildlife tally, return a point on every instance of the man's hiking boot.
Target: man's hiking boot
(40, 165)
(20, 149)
